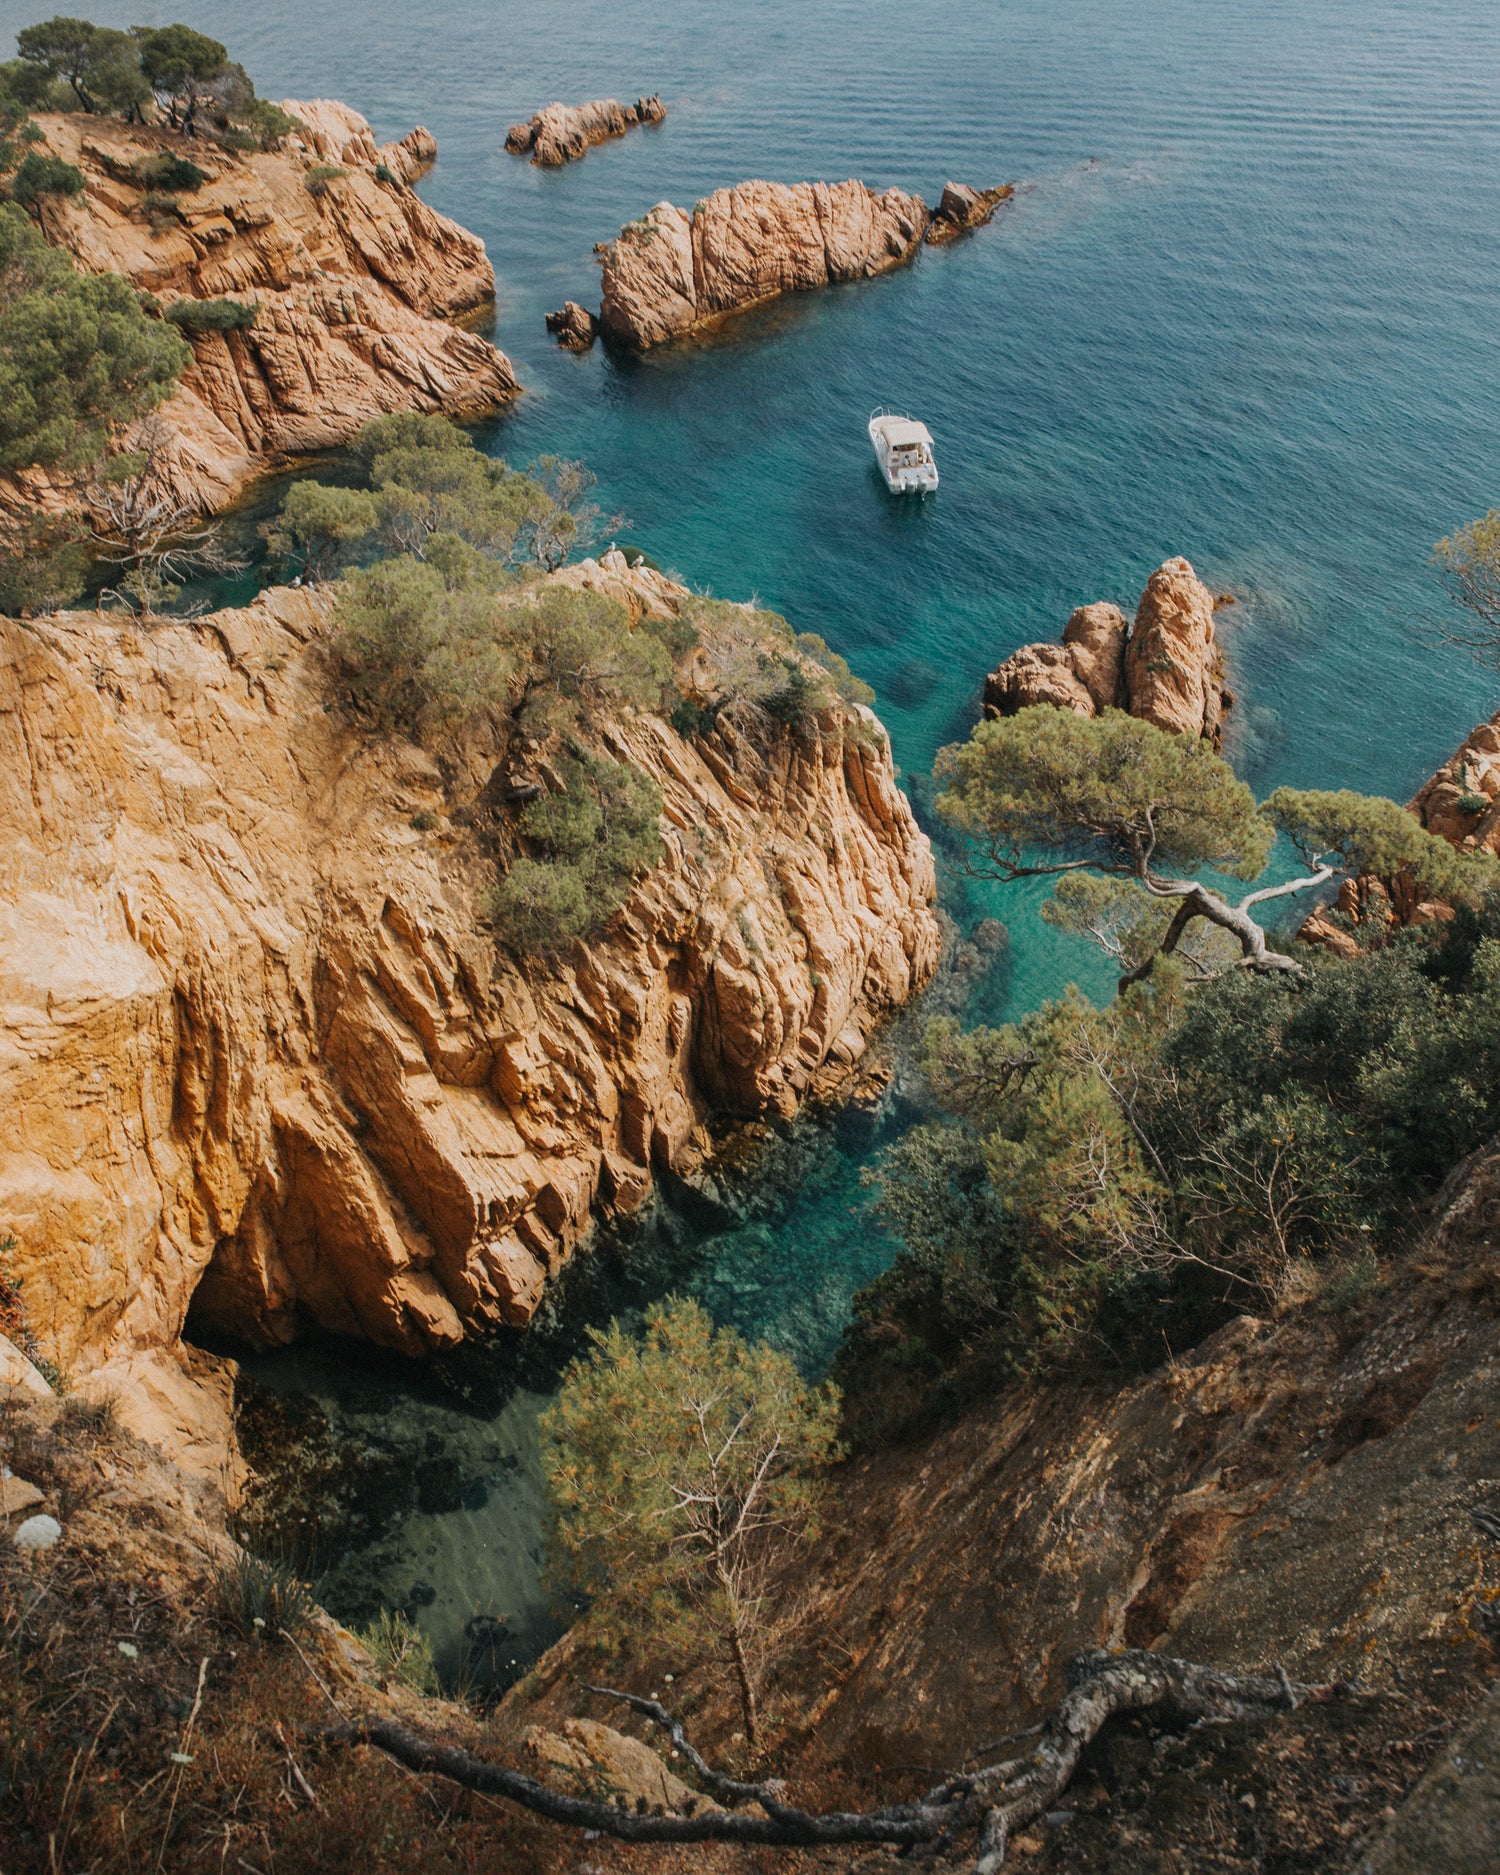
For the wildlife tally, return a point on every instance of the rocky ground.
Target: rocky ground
(1301, 1492)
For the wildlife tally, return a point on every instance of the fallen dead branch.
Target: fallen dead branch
(994, 1802)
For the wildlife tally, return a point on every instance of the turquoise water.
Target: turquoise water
(1243, 308)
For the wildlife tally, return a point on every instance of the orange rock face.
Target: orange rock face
(1166, 668)
(1171, 660)
(356, 280)
(559, 133)
(1461, 803)
(670, 271)
(260, 1047)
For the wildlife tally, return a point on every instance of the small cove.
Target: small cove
(1242, 309)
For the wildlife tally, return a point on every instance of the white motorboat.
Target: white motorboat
(903, 448)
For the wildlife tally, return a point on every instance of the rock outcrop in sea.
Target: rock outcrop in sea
(354, 278)
(672, 272)
(1165, 667)
(573, 326)
(961, 209)
(261, 1049)
(559, 133)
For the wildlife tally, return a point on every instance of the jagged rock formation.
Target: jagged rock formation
(356, 280)
(1167, 668)
(963, 208)
(261, 1050)
(672, 272)
(573, 326)
(333, 133)
(561, 132)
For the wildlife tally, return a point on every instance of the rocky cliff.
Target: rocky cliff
(559, 133)
(672, 272)
(261, 1049)
(1165, 667)
(1461, 803)
(356, 280)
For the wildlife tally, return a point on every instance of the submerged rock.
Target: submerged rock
(1166, 668)
(962, 209)
(559, 133)
(573, 326)
(670, 271)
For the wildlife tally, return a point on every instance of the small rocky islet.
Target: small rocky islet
(561, 133)
(672, 273)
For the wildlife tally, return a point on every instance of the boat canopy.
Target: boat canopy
(903, 433)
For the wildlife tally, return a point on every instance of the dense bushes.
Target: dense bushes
(170, 172)
(39, 175)
(183, 75)
(597, 835)
(1108, 1184)
(77, 353)
(442, 620)
(200, 316)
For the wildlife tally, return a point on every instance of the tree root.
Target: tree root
(995, 1802)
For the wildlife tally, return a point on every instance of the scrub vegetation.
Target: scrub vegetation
(444, 618)
(1248, 1124)
(85, 357)
(683, 1468)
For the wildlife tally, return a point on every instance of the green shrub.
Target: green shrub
(259, 1599)
(200, 316)
(598, 835)
(269, 124)
(691, 719)
(1108, 1184)
(44, 562)
(420, 656)
(77, 353)
(321, 175)
(168, 171)
(1473, 804)
(400, 1650)
(41, 175)
(384, 173)
(541, 906)
(160, 209)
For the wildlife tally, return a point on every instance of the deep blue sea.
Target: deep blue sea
(1244, 308)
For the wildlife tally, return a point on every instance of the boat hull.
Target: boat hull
(902, 478)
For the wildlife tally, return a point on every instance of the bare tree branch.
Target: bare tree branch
(994, 1802)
